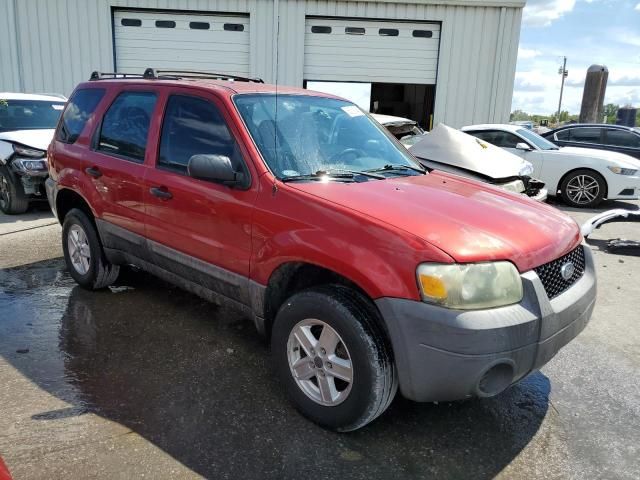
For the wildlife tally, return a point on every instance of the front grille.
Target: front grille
(551, 277)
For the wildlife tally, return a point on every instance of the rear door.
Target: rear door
(116, 167)
(198, 229)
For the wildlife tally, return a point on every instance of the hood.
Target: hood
(617, 157)
(39, 139)
(470, 221)
(453, 147)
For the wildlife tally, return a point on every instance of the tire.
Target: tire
(583, 188)
(360, 344)
(13, 200)
(90, 268)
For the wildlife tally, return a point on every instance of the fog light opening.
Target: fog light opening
(495, 380)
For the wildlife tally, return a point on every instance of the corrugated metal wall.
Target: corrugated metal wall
(51, 45)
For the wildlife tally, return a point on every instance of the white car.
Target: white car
(406, 130)
(27, 124)
(583, 177)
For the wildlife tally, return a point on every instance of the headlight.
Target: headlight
(526, 170)
(28, 152)
(470, 286)
(623, 171)
(31, 165)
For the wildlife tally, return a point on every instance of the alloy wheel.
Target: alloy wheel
(583, 189)
(79, 251)
(320, 362)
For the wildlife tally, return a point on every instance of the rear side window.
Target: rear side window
(194, 126)
(125, 126)
(79, 110)
(621, 138)
(587, 135)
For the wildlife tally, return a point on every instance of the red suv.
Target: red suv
(366, 271)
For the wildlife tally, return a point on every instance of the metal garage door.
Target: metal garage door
(370, 51)
(180, 41)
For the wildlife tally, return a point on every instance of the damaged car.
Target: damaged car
(450, 150)
(27, 123)
(404, 129)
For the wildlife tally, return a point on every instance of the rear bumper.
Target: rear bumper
(443, 354)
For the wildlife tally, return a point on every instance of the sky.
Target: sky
(587, 32)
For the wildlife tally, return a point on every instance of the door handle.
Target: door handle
(160, 192)
(93, 171)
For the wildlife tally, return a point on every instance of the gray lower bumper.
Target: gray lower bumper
(52, 189)
(443, 354)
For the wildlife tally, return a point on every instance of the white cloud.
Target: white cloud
(527, 53)
(542, 13)
(638, 7)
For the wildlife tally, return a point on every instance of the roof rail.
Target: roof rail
(179, 74)
(107, 75)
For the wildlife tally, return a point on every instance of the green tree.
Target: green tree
(519, 116)
(611, 112)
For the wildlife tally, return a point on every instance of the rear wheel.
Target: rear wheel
(332, 358)
(583, 188)
(83, 252)
(13, 200)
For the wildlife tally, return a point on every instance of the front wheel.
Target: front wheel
(83, 252)
(583, 188)
(335, 363)
(13, 200)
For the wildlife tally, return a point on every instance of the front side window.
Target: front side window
(81, 106)
(498, 138)
(532, 137)
(125, 126)
(586, 135)
(622, 138)
(562, 135)
(194, 126)
(303, 135)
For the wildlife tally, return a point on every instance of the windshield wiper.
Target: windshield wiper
(320, 175)
(395, 168)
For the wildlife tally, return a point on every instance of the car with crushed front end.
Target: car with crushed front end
(581, 177)
(366, 272)
(27, 123)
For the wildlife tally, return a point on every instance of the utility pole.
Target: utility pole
(563, 73)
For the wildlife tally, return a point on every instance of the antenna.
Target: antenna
(276, 14)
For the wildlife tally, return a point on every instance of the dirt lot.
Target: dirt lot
(146, 380)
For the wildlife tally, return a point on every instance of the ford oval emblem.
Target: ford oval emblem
(567, 270)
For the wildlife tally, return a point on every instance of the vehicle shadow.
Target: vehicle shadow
(196, 381)
(603, 207)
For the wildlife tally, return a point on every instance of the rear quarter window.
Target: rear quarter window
(79, 110)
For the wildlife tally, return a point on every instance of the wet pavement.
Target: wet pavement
(144, 379)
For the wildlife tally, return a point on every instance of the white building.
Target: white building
(450, 61)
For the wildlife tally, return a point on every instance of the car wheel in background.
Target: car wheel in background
(13, 200)
(83, 252)
(332, 358)
(583, 188)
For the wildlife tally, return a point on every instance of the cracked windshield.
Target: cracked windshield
(318, 137)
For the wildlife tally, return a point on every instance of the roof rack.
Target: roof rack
(107, 75)
(151, 73)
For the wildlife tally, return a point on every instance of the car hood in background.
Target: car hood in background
(453, 147)
(39, 139)
(470, 221)
(618, 158)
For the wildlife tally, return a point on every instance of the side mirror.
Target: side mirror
(214, 168)
(523, 146)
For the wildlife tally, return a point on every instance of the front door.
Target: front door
(198, 229)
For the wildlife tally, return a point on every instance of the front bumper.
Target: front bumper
(623, 187)
(443, 354)
(542, 195)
